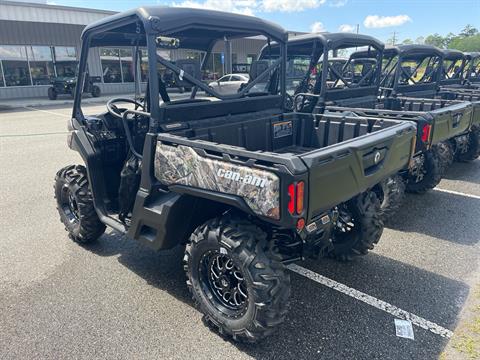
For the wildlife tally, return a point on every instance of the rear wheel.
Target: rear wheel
(391, 194)
(429, 169)
(358, 227)
(52, 93)
(241, 287)
(75, 205)
(446, 152)
(473, 147)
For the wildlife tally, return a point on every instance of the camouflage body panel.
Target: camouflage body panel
(183, 166)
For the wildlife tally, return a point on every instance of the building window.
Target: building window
(111, 68)
(251, 58)
(65, 61)
(117, 65)
(126, 59)
(41, 64)
(144, 65)
(15, 65)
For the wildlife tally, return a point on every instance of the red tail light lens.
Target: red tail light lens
(291, 198)
(426, 132)
(300, 191)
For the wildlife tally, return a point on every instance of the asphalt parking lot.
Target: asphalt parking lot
(116, 299)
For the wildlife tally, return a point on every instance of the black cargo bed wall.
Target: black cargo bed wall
(302, 132)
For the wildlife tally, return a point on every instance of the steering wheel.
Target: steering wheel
(118, 112)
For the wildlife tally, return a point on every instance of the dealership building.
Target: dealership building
(39, 42)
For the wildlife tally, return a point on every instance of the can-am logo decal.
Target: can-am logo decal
(247, 179)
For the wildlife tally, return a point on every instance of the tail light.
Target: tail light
(426, 132)
(296, 197)
(300, 191)
(291, 198)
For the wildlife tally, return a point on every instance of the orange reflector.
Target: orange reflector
(300, 190)
(291, 199)
(300, 224)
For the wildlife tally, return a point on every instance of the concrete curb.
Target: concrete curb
(41, 102)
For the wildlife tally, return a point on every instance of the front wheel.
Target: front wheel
(358, 227)
(75, 205)
(52, 93)
(241, 287)
(96, 91)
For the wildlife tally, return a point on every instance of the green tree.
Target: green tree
(468, 31)
(470, 43)
(448, 39)
(407, 42)
(420, 40)
(435, 40)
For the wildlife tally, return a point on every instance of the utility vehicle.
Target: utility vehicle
(393, 73)
(313, 64)
(66, 86)
(457, 82)
(246, 187)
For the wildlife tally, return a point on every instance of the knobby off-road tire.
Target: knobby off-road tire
(96, 92)
(436, 162)
(75, 205)
(473, 151)
(361, 228)
(248, 265)
(391, 194)
(52, 93)
(446, 152)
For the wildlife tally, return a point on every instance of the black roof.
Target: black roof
(196, 28)
(337, 40)
(302, 44)
(450, 54)
(413, 51)
(472, 55)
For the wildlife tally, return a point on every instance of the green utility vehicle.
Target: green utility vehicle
(244, 186)
(354, 90)
(460, 80)
(66, 86)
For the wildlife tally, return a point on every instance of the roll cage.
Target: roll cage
(398, 78)
(322, 50)
(195, 29)
(471, 71)
(453, 65)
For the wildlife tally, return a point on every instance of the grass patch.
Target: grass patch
(466, 340)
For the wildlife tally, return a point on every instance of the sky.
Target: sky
(380, 18)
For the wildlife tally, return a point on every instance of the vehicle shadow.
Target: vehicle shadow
(323, 323)
(424, 214)
(468, 172)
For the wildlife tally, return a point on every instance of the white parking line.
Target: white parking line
(372, 301)
(48, 112)
(457, 193)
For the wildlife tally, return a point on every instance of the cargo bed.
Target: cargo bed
(462, 94)
(446, 118)
(340, 156)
